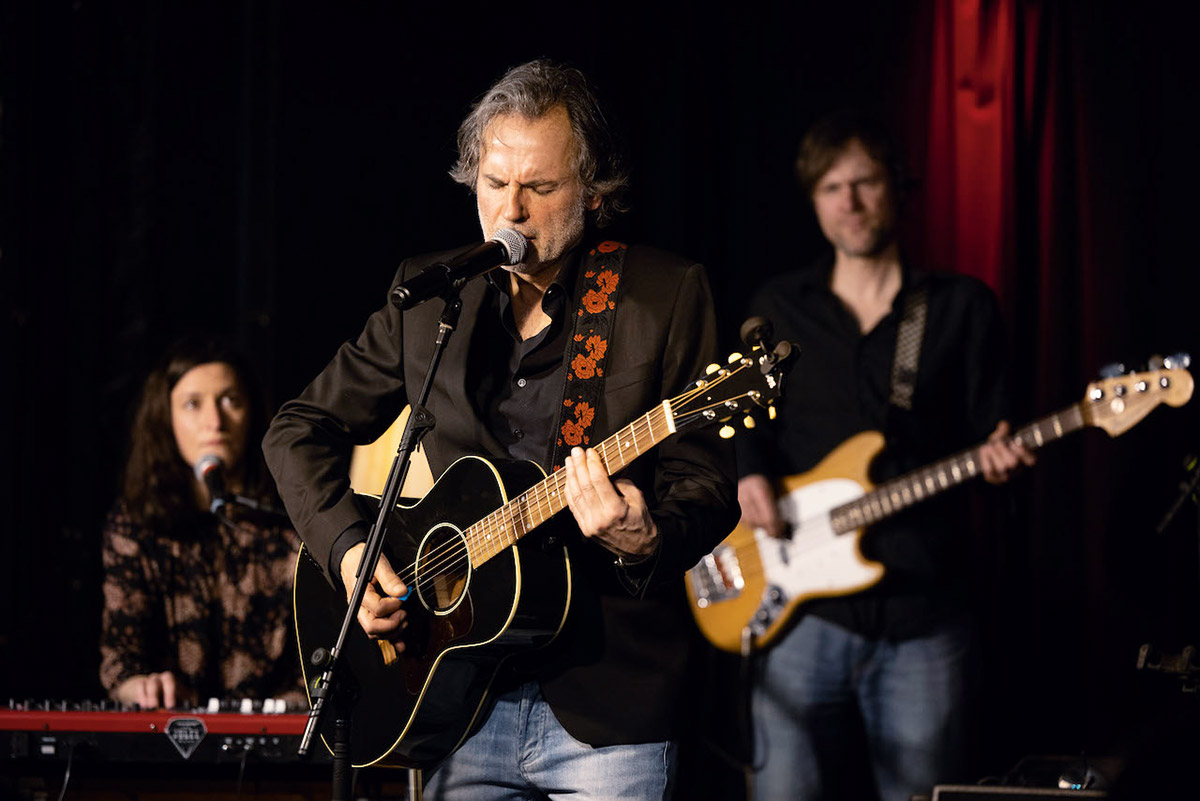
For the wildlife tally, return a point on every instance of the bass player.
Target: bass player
(917, 356)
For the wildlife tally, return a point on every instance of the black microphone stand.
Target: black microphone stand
(328, 685)
(1187, 490)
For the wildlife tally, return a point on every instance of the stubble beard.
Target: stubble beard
(874, 243)
(570, 235)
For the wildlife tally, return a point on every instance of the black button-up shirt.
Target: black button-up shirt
(517, 385)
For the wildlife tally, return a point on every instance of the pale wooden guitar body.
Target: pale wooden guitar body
(777, 575)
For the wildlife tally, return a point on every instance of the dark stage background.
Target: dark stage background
(259, 168)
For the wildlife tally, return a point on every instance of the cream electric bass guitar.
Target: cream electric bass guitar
(744, 592)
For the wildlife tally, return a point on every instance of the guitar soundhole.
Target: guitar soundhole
(443, 570)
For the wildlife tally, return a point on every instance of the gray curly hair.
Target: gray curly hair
(532, 90)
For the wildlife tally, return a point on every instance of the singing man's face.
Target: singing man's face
(529, 181)
(209, 414)
(855, 204)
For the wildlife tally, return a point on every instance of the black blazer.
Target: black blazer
(616, 673)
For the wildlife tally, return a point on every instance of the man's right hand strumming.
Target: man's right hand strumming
(756, 496)
(380, 613)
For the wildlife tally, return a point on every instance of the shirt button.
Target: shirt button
(518, 433)
(521, 382)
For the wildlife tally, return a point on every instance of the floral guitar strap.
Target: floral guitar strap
(587, 350)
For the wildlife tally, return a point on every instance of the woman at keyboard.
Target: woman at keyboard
(197, 569)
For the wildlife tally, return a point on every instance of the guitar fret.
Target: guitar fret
(899, 493)
(521, 515)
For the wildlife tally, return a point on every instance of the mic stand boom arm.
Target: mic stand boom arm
(420, 422)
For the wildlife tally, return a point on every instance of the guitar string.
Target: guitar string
(884, 495)
(450, 556)
(1040, 432)
(915, 485)
(450, 553)
(499, 519)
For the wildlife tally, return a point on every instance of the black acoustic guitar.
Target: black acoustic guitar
(479, 590)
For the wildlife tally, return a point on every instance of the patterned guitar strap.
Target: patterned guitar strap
(908, 349)
(586, 354)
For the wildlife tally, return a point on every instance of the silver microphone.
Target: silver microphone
(210, 469)
(505, 247)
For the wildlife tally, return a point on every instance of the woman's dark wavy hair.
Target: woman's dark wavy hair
(157, 488)
(531, 90)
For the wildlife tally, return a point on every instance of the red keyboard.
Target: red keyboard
(152, 736)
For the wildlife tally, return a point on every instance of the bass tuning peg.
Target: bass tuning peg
(1177, 361)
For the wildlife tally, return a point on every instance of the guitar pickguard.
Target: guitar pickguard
(814, 561)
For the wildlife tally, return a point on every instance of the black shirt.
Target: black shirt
(517, 385)
(840, 386)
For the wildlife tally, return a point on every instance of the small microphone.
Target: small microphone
(757, 331)
(505, 247)
(211, 470)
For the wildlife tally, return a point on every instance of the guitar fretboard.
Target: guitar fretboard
(911, 488)
(503, 527)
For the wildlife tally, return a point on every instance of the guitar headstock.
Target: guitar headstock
(1118, 403)
(745, 384)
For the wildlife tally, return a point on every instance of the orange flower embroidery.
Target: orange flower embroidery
(594, 301)
(608, 246)
(584, 414)
(607, 282)
(597, 346)
(572, 433)
(583, 367)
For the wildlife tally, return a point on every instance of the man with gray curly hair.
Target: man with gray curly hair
(553, 354)
(532, 91)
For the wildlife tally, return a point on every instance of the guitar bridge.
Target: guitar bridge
(717, 577)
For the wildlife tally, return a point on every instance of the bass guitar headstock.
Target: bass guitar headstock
(1118, 402)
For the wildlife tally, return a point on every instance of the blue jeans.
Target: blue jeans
(822, 689)
(522, 753)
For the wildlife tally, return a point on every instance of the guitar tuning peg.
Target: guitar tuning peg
(1177, 361)
(726, 432)
(748, 421)
(771, 412)
(1112, 370)
(1155, 362)
(712, 368)
(735, 357)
